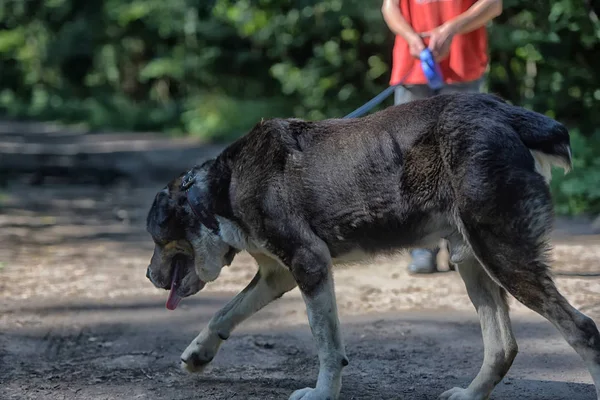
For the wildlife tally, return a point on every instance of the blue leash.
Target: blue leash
(365, 108)
(432, 72)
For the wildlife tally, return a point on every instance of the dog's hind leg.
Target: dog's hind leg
(500, 347)
(515, 258)
(270, 282)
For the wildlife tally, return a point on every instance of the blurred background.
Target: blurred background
(104, 101)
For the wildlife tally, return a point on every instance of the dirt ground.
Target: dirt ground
(79, 320)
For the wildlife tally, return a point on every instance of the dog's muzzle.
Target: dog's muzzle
(149, 276)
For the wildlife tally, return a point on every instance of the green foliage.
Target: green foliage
(214, 68)
(544, 57)
(579, 191)
(149, 64)
(217, 117)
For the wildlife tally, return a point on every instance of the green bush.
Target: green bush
(579, 191)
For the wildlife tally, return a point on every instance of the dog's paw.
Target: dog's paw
(460, 394)
(200, 352)
(310, 394)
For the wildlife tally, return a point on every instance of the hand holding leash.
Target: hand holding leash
(416, 45)
(440, 40)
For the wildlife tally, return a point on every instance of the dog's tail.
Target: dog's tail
(547, 139)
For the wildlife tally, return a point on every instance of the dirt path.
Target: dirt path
(79, 320)
(129, 348)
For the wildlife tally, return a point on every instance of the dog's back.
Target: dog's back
(393, 179)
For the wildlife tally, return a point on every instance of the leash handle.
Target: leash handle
(431, 70)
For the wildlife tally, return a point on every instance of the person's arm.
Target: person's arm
(398, 24)
(475, 17)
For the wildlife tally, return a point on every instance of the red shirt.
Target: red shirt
(468, 57)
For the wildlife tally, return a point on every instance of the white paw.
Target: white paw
(310, 394)
(460, 394)
(201, 351)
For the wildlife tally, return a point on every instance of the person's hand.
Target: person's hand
(440, 40)
(416, 45)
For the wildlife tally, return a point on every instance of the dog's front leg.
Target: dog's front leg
(270, 282)
(316, 284)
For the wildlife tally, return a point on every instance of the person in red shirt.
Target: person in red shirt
(455, 32)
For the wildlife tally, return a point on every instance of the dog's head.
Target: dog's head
(188, 249)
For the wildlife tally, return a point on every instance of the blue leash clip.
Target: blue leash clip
(432, 70)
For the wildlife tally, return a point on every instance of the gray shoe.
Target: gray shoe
(423, 262)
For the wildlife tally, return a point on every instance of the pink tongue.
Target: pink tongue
(174, 298)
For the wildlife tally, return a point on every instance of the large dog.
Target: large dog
(300, 196)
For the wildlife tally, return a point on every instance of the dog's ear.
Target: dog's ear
(162, 221)
(202, 204)
(164, 210)
(195, 185)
